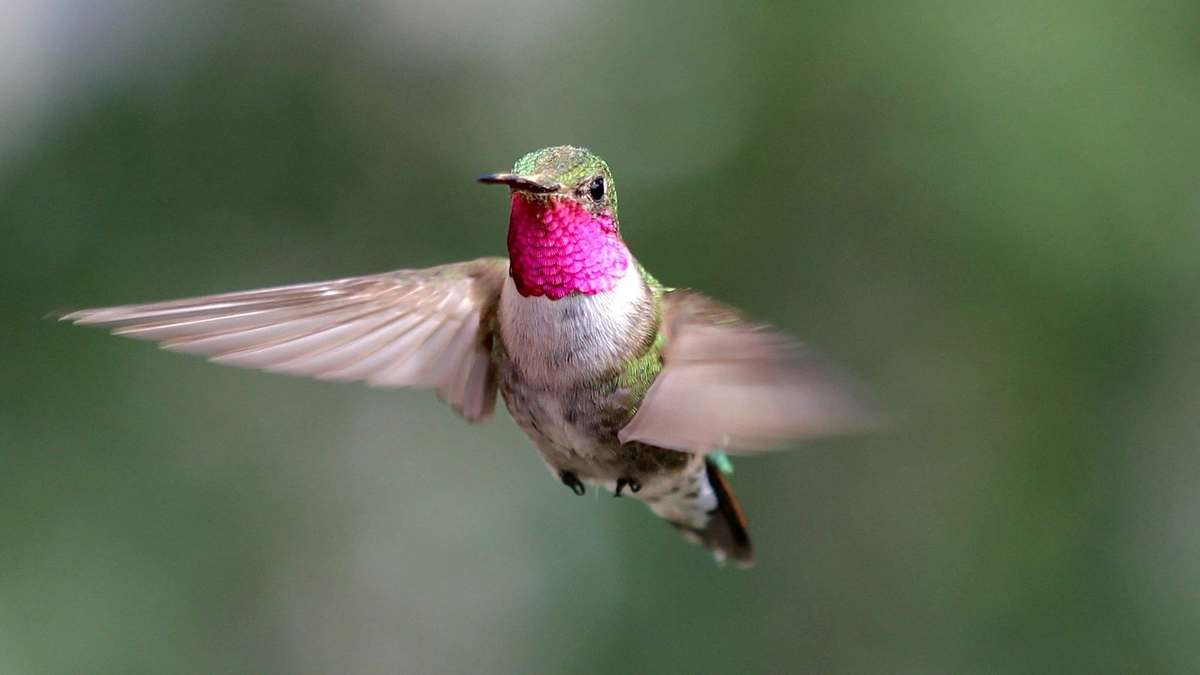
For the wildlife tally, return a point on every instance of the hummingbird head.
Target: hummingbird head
(563, 173)
(563, 235)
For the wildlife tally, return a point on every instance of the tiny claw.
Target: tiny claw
(572, 481)
(631, 483)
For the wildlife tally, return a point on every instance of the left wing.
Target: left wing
(729, 384)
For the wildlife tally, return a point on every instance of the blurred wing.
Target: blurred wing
(734, 385)
(419, 328)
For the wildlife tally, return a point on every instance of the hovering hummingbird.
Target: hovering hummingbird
(619, 381)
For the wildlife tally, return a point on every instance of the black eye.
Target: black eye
(596, 189)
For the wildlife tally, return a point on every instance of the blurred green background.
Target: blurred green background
(987, 210)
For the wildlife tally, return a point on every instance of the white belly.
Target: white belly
(560, 342)
(555, 351)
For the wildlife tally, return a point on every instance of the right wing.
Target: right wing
(419, 328)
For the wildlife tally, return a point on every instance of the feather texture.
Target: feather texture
(420, 328)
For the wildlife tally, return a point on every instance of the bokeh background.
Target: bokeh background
(986, 210)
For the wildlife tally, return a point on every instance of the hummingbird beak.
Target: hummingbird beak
(535, 183)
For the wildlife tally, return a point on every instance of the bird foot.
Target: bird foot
(632, 483)
(572, 481)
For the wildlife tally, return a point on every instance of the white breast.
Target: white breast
(556, 342)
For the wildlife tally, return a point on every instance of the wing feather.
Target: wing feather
(733, 385)
(423, 328)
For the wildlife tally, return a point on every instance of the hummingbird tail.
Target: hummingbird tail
(720, 528)
(726, 531)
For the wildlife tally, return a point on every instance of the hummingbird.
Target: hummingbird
(620, 382)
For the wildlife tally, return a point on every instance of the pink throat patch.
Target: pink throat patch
(557, 247)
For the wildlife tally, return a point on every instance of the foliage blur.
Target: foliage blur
(986, 210)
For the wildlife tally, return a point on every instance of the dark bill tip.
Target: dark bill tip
(523, 183)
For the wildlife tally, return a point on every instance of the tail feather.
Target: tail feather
(726, 531)
(701, 506)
